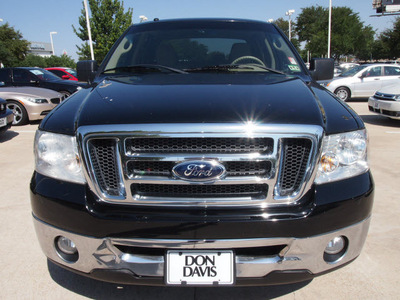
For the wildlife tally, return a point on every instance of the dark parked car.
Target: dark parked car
(204, 154)
(39, 78)
(6, 116)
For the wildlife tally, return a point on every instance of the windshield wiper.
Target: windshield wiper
(144, 68)
(233, 68)
(219, 68)
(267, 69)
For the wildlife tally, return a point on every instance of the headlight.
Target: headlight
(56, 156)
(326, 83)
(35, 100)
(397, 97)
(343, 155)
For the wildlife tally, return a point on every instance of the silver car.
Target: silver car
(386, 102)
(363, 81)
(30, 103)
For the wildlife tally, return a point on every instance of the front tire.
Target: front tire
(19, 111)
(343, 93)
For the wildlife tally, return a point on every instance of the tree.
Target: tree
(284, 26)
(46, 62)
(13, 47)
(348, 35)
(108, 21)
(389, 41)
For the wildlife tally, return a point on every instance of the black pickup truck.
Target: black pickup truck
(203, 153)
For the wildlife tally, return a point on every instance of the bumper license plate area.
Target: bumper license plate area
(3, 122)
(199, 267)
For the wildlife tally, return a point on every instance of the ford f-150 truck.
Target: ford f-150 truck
(203, 153)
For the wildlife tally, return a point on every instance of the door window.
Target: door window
(373, 72)
(392, 71)
(22, 76)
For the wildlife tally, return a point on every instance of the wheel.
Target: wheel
(253, 58)
(343, 93)
(19, 111)
(65, 93)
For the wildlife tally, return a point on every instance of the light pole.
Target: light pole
(51, 39)
(88, 28)
(289, 13)
(329, 28)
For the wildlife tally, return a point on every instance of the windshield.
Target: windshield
(44, 75)
(353, 71)
(72, 72)
(196, 49)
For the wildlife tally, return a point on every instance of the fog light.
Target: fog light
(335, 249)
(66, 249)
(66, 245)
(335, 246)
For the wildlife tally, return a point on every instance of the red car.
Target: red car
(64, 73)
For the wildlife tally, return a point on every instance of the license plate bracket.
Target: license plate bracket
(204, 267)
(3, 122)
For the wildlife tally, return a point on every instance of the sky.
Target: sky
(35, 19)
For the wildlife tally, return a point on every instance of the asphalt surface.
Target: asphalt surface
(25, 272)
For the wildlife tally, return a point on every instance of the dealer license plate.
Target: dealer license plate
(376, 105)
(3, 122)
(199, 267)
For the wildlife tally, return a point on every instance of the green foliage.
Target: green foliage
(348, 35)
(284, 26)
(388, 44)
(47, 62)
(107, 22)
(13, 47)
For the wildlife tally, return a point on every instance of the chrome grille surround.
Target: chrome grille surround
(277, 192)
(387, 97)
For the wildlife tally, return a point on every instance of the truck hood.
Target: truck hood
(201, 98)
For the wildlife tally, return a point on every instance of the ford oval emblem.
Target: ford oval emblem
(201, 170)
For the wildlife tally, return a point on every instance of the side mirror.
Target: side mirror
(86, 70)
(65, 77)
(322, 68)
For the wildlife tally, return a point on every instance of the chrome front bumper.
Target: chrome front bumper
(299, 253)
(389, 109)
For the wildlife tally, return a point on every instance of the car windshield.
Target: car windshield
(212, 48)
(353, 71)
(44, 75)
(72, 72)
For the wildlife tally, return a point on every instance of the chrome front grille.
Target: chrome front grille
(204, 191)
(269, 165)
(103, 157)
(55, 100)
(295, 159)
(164, 168)
(382, 96)
(198, 145)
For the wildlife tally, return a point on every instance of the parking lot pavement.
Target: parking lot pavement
(25, 273)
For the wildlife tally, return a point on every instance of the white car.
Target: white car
(386, 102)
(363, 81)
(29, 103)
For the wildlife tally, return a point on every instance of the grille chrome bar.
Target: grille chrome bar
(285, 174)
